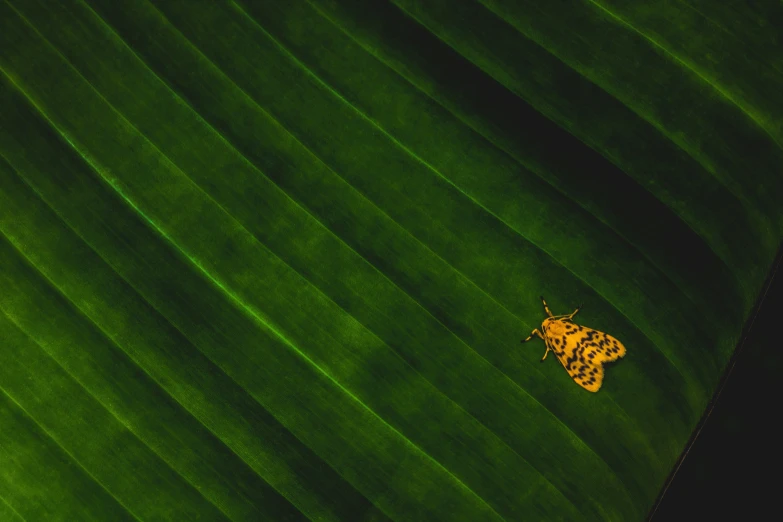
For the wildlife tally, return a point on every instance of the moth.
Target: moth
(583, 351)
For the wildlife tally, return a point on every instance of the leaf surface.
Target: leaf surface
(273, 260)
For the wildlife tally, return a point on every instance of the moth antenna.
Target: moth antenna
(546, 308)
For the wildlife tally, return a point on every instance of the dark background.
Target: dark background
(733, 469)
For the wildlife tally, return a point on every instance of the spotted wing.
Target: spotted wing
(583, 352)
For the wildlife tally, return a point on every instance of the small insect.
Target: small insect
(583, 351)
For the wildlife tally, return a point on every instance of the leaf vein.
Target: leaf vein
(69, 454)
(87, 390)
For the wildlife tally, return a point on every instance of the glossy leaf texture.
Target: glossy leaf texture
(269, 260)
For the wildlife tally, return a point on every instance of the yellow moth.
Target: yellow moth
(583, 351)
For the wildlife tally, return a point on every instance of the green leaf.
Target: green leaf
(273, 260)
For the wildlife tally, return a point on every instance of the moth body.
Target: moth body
(581, 350)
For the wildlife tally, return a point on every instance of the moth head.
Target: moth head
(554, 326)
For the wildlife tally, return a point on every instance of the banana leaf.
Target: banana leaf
(267, 260)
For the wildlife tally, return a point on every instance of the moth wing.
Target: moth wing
(583, 352)
(606, 347)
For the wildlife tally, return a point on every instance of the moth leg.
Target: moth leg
(548, 349)
(534, 332)
(575, 311)
(546, 308)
